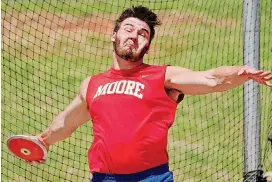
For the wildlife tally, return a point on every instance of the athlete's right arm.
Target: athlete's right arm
(75, 115)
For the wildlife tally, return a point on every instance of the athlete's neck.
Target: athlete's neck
(121, 64)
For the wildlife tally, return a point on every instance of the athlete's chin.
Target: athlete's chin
(130, 56)
(128, 53)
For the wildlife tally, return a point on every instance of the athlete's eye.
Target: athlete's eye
(142, 34)
(128, 29)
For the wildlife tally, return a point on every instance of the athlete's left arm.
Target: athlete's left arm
(214, 80)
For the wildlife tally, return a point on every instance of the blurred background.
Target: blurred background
(49, 47)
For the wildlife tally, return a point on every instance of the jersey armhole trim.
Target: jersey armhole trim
(87, 93)
(164, 91)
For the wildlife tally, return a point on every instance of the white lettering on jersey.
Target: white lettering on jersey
(138, 88)
(112, 88)
(130, 87)
(101, 90)
(126, 87)
(121, 86)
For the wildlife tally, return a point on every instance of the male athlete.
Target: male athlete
(133, 104)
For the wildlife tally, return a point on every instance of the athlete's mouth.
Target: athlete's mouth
(130, 44)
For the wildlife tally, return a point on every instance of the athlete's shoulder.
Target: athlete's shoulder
(85, 82)
(173, 71)
(84, 87)
(154, 66)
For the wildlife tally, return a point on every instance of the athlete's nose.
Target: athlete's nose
(133, 35)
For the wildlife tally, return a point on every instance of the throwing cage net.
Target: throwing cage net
(49, 47)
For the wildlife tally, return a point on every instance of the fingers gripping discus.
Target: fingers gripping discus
(27, 147)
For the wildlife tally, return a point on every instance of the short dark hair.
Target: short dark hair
(142, 13)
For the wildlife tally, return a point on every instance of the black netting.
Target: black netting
(49, 47)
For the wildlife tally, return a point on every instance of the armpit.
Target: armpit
(175, 95)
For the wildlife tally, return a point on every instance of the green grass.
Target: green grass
(40, 78)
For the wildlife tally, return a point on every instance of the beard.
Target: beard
(128, 54)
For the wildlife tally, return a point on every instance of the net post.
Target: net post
(251, 91)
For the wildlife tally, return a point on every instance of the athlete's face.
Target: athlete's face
(131, 41)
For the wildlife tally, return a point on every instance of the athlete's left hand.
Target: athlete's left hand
(260, 76)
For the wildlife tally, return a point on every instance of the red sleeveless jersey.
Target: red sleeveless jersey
(131, 115)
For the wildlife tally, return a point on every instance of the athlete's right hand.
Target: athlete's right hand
(42, 161)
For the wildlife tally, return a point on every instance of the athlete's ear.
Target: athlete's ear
(113, 36)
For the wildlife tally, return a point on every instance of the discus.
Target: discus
(27, 147)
